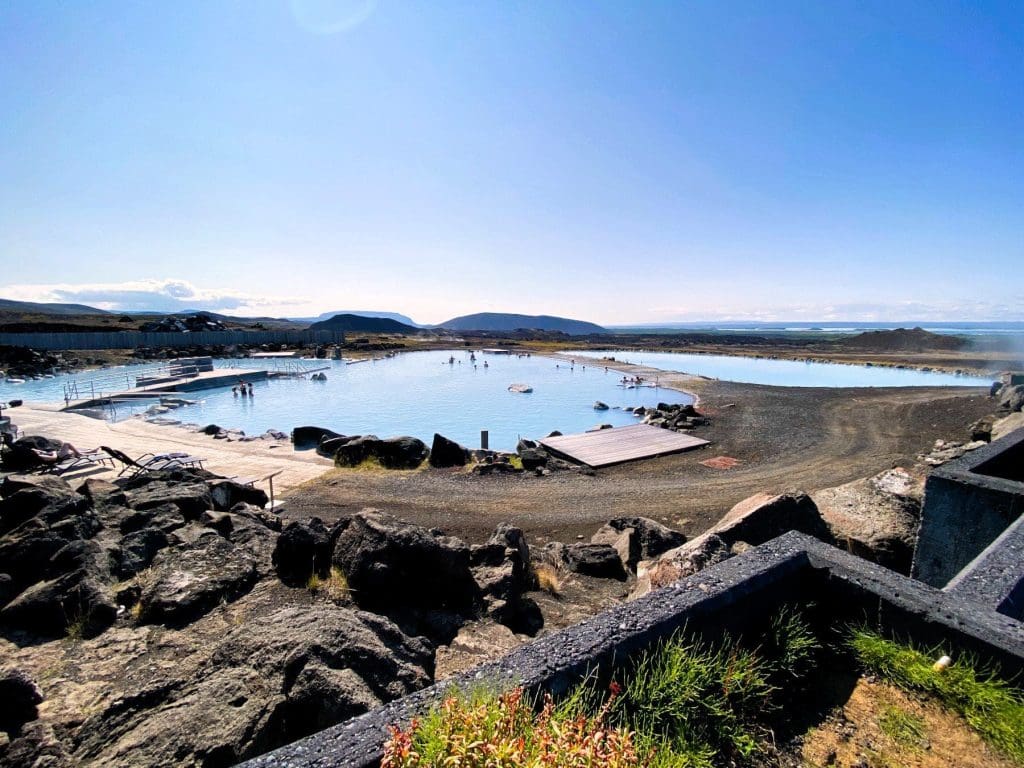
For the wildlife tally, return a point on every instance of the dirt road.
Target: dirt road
(785, 438)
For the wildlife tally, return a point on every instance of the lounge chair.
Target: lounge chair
(183, 459)
(90, 459)
(151, 462)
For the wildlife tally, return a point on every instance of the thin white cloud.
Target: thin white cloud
(864, 312)
(168, 295)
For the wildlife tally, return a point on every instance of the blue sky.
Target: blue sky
(613, 161)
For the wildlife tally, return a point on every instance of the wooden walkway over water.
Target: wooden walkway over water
(605, 447)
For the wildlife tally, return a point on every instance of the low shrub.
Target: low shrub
(491, 730)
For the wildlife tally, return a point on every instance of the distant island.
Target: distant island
(501, 321)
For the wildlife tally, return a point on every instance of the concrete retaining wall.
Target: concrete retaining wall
(135, 339)
(968, 503)
(736, 593)
(996, 576)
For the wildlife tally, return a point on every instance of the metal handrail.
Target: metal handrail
(95, 386)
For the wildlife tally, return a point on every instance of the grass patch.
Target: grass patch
(76, 629)
(549, 579)
(990, 705)
(372, 465)
(334, 586)
(683, 704)
(902, 728)
(690, 701)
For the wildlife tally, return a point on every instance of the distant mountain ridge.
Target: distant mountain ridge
(396, 316)
(9, 305)
(502, 321)
(360, 324)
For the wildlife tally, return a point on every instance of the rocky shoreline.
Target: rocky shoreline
(201, 630)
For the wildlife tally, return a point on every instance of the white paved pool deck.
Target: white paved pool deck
(254, 459)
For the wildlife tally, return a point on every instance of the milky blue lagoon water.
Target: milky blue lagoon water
(416, 393)
(785, 373)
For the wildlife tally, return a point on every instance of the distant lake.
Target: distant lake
(416, 393)
(783, 373)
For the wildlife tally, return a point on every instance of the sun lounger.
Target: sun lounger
(183, 459)
(76, 462)
(151, 462)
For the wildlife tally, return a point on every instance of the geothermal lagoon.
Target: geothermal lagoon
(420, 393)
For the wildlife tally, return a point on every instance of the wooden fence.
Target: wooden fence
(134, 339)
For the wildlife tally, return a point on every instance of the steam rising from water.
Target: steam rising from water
(1010, 343)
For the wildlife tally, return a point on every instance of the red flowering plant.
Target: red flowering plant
(488, 730)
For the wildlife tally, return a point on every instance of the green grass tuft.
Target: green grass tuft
(76, 630)
(696, 700)
(791, 645)
(903, 728)
(990, 705)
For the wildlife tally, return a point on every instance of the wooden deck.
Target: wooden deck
(614, 446)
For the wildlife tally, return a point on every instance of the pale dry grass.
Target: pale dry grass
(549, 579)
(334, 586)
